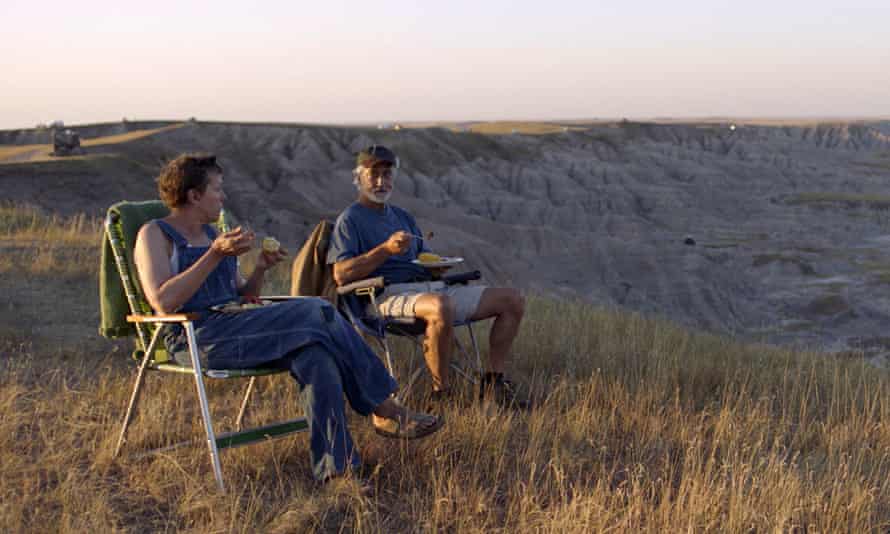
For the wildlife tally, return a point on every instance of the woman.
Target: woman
(184, 266)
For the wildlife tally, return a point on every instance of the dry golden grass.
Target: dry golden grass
(27, 224)
(8, 151)
(642, 426)
(35, 243)
(523, 127)
(129, 136)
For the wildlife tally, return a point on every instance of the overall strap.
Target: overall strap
(171, 232)
(210, 231)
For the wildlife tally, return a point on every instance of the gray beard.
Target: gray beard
(380, 199)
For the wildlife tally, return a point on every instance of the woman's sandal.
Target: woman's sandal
(395, 428)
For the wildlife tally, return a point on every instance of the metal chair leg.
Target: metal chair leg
(205, 409)
(244, 403)
(137, 389)
(468, 375)
(386, 351)
(405, 390)
(475, 347)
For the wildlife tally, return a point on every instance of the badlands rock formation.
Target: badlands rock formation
(790, 224)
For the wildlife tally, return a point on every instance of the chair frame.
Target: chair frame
(368, 288)
(144, 322)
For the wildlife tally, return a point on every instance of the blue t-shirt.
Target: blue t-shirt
(359, 229)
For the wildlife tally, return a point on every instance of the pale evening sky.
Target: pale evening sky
(348, 61)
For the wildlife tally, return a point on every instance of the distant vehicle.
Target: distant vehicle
(56, 124)
(66, 143)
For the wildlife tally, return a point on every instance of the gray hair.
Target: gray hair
(357, 172)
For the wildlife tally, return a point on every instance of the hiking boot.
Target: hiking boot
(495, 387)
(437, 400)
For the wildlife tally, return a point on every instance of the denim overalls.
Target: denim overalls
(305, 335)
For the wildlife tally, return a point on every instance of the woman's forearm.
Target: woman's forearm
(176, 291)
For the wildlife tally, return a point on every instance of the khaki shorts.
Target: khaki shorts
(398, 300)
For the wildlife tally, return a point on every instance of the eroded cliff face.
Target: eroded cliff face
(789, 224)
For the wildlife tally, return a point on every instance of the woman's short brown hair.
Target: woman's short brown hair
(187, 171)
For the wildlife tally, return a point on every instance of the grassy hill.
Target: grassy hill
(642, 426)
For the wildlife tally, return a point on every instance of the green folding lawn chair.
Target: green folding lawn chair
(126, 313)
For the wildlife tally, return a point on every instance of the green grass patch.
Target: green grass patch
(879, 270)
(727, 239)
(805, 267)
(827, 305)
(848, 200)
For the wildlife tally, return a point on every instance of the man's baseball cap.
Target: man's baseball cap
(376, 154)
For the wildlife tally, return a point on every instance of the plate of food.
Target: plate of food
(236, 307)
(428, 259)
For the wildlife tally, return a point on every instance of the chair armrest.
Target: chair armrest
(361, 284)
(163, 318)
(461, 278)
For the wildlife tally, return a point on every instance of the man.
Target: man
(373, 238)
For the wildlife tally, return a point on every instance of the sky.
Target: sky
(337, 61)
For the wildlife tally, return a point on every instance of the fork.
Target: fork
(429, 235)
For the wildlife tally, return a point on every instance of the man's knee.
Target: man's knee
(516, 303)
(437, 310)
(510, 302)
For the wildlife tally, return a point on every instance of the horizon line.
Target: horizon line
(751, 119)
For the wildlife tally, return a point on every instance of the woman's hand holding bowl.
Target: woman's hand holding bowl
(272, 253)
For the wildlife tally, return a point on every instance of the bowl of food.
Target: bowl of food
(271, 245)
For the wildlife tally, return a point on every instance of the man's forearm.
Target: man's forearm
(359, 267)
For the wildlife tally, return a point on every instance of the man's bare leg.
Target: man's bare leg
(437, 311)
(507, 306)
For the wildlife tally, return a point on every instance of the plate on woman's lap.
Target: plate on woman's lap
(237, 307)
